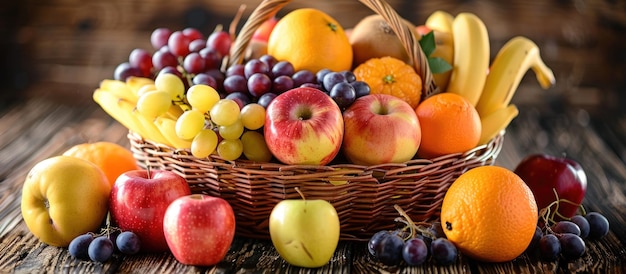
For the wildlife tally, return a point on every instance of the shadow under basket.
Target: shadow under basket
(364, 196)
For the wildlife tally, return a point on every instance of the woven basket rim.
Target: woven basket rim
(473, 154)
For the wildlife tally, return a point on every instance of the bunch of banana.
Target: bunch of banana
(489, 87)
(119, 99)
(510, 65)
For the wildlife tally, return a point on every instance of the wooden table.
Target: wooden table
(38, 128)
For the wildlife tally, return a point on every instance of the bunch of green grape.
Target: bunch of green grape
(210, 124)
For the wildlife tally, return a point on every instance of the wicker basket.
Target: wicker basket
(364, 196)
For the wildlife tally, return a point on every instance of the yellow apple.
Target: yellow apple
(305, 232)
(64, 197)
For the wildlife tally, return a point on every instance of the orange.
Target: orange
(389, 75)
(310, 39)
(490, 214)
(450, 124)
(111, 158)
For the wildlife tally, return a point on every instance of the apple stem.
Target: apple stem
(148, 170)
(300, 192)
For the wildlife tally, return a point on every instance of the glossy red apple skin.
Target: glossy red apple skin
(199, 229)
(304, 126)
(380, 128)
(543, 173)
(138, 202)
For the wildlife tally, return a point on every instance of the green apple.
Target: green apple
(305, 232)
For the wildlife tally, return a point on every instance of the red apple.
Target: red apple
(543, 173)
(199, 229)
(303, 126)
(138, 202)
(262, 33)
(380, 128)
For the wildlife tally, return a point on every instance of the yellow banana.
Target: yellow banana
(135, 83)
(471, 57)
(117, 108)
(441, 23)
(507, 70)
(119, 89)
(118, 99)
(440, 20)
(495, 122)
(151, 131)
(167, 127)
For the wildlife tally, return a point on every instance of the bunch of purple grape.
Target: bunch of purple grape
(566, 238)
(199, 58)
(392, 247)
(341, 86)
(261, 80)
(100, 247)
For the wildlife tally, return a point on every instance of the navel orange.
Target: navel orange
(490, 214)
(310, 39)
(450, 124)
(111, 158)
(389, 75)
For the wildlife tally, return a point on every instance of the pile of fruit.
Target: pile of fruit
(270, 106)
(68, 201)
(305, 92)
(528, 210)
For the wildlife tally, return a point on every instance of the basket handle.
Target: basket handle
(268, 8)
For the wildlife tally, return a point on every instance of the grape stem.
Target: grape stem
(413, 226)
(548, 215)
(108, 229)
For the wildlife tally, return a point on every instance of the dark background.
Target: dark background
(62, 49)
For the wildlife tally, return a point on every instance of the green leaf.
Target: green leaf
(438, 65)
(428, 43)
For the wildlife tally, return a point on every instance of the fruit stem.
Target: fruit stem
(300, 192)
(548, 215)
(107, 230)
(409, 222)
(148, 170)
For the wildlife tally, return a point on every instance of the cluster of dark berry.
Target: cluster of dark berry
(100, 247)
(391, 247)
(341, 86)
(566, 238)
